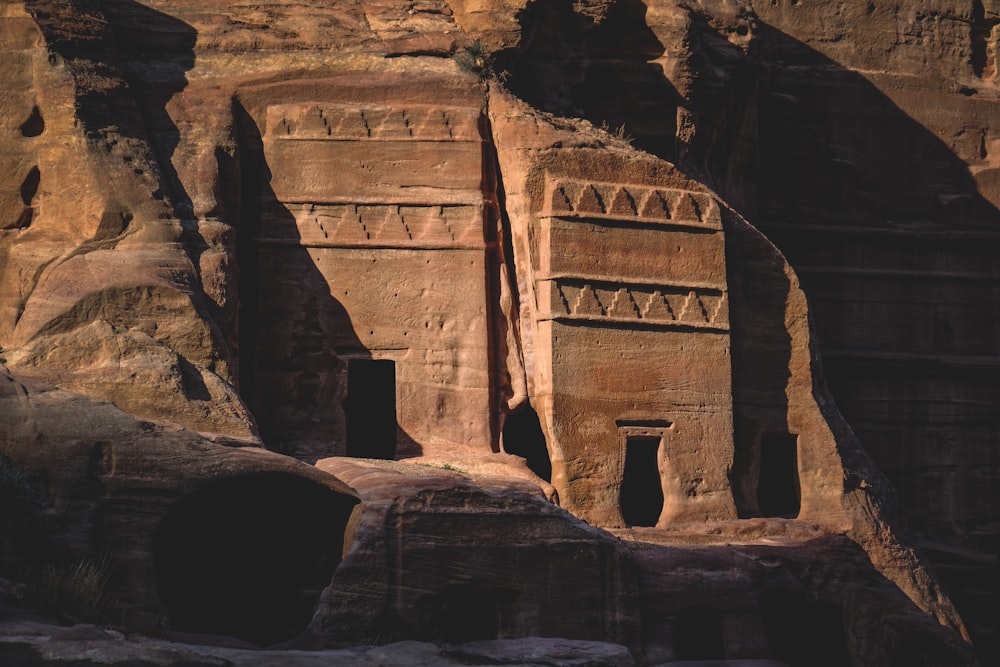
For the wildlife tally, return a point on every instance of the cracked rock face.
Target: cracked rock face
(564, 245)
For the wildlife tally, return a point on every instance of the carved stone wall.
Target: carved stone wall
(371, 242)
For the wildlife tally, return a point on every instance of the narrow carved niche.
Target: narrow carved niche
(983, 61)
(34, 125)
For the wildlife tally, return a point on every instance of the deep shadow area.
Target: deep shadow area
(470, 613)
(761, 353)
(778, 486)
(803, 633)
(248, 557)
(523, 436)
(697, 634)
(569, 65)
(370, 408)
(894, 245)
(897, 252)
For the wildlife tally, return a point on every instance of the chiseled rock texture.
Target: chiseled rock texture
(464, 232)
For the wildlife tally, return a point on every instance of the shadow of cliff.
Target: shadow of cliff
(896, 249)
(311, 383)
(892, 242)
(569, 65)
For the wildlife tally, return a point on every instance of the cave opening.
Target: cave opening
(803, 632)
(370, 408)
(248, 556)
(523, 436)
(641, 496)
(697, 633)
(778, 493)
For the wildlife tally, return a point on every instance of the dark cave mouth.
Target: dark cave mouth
(248, 557)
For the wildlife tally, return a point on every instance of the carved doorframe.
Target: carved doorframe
(646, 428)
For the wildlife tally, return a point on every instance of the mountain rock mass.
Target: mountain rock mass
(670, 324)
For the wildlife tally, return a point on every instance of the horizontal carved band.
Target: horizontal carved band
(380, 123)
(631, 203)
(377, 224)
(630, 303)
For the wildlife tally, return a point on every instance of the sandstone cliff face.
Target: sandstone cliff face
(366, 229)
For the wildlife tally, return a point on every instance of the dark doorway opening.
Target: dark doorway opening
(778, 483)
(698, 635)
(804, 633)
(370, 408)
(523, 436)
(248, 557)
(641, 499)
(469, 614)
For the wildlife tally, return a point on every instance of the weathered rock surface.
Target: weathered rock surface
(329, 228)
(522, 567)
(167, 514)
(44, 645)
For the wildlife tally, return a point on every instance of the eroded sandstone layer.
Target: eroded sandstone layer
(383, 230)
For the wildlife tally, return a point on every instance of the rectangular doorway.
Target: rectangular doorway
(370, 408)
(778, 492)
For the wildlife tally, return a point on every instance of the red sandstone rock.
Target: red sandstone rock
(298, 224)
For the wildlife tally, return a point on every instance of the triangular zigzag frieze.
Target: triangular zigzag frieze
(623, 203)
(590, 201)
(720, 314)
(560, 202)
(623, 305)
(687, 208)
(587, 303)
(657, 308)
(655, 207)
(693, 309)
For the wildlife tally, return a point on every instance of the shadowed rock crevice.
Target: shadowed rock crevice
(523, 436)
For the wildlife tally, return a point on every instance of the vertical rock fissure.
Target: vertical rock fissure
(980, 31)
